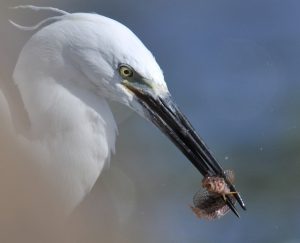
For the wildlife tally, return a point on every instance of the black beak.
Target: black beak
(170, 120)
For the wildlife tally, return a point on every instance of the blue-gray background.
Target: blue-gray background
(234, 69)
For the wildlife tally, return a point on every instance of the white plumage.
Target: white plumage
(65, 73)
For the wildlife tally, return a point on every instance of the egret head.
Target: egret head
(114, 60)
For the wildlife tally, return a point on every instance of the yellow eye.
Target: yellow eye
(125, 71)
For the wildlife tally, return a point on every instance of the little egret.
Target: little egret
(66, 74)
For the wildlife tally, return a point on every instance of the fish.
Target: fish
(210, 202)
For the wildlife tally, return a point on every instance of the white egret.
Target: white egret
(68, 71)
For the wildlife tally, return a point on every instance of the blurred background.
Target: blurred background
(233, 68)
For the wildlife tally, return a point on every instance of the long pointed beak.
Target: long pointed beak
(170, 120)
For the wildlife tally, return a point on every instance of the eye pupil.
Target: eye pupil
(126, 72)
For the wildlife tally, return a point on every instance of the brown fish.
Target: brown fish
(211, 203)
